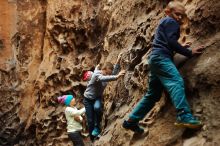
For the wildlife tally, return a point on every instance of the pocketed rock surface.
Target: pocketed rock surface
(56, 41)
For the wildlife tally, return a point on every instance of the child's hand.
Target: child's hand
(198, 50)
(119, 58)
(97, 66)
(187, 45)
(77, 118)
(121, 73)
(127, 61)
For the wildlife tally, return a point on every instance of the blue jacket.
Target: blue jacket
(166, 39)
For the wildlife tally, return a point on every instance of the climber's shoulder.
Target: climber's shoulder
(168, 21)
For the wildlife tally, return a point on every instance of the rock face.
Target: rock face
(7, 30)
(57, 40)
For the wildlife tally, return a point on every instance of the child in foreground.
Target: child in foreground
(164, 74)
(74, 119)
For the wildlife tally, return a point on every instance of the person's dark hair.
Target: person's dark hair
(107, 65)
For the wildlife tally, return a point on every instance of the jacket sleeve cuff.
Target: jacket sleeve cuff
(190, 52)
(116, 69)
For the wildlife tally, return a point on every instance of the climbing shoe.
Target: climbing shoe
(96, 132)
(133, 126)
(188, 121)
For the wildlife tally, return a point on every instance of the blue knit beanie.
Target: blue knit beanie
(66, 99)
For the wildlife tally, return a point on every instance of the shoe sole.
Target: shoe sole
(97, 137)
(132, 130)
(184, 125)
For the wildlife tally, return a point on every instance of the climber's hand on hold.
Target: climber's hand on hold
(187, 45)
(121, 73)
(77, 118)
(97, 66)
(127, 61)
(198, 50)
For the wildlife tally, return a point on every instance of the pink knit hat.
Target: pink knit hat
(65, 99)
